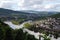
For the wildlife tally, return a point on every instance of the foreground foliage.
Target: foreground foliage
(6, 33)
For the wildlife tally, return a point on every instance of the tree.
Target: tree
(56, 35)
(1, 34)
(27, 25)
(45, 37)
(5, 32)
(31, 37)
(8, 35)
(20, 35)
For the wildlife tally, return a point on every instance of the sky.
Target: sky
(38, 5)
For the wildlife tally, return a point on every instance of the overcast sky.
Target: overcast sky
(39, 5)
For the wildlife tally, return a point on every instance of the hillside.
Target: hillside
(26, 12)
(7, 33)
(6, 14)
(56, 15)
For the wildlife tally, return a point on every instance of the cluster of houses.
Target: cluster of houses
(50, 23)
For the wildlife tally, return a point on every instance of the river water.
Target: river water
(13, 26)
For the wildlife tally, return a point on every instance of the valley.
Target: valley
(35, 23)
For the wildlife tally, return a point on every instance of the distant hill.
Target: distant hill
(40, 12)
(6, 12)
(26, 14)
(56, 15)
(29, 12)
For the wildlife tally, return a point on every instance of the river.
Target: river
(13, 26)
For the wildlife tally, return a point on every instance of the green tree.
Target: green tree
(1, 34)
(20, 35)
(5, 32)
(27, 25)
(8, 35)
(45, 37)
(31, 37)
(56, 35)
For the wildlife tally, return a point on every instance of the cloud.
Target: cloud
(44, 5)
(11, 4)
